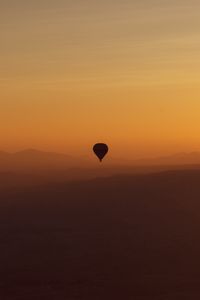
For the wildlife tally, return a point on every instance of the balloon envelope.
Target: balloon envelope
(100, 150)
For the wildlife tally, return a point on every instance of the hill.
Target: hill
(123, 237)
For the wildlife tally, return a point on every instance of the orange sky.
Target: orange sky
(77, 72)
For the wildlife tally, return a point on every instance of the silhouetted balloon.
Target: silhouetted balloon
(100, 150)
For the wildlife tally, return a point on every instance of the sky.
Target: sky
(123, 72)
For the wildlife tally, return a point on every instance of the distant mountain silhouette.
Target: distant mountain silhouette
(31, 161)
(175, 159)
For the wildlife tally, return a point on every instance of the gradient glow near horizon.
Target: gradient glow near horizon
(123, 72)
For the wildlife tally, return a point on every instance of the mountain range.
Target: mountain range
(32, 159)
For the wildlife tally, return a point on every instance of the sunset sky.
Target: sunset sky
(125, 72)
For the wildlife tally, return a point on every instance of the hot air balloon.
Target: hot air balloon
(100, 150)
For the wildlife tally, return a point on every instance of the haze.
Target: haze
(77, 72)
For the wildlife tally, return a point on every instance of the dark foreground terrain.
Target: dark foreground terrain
(125, 237)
